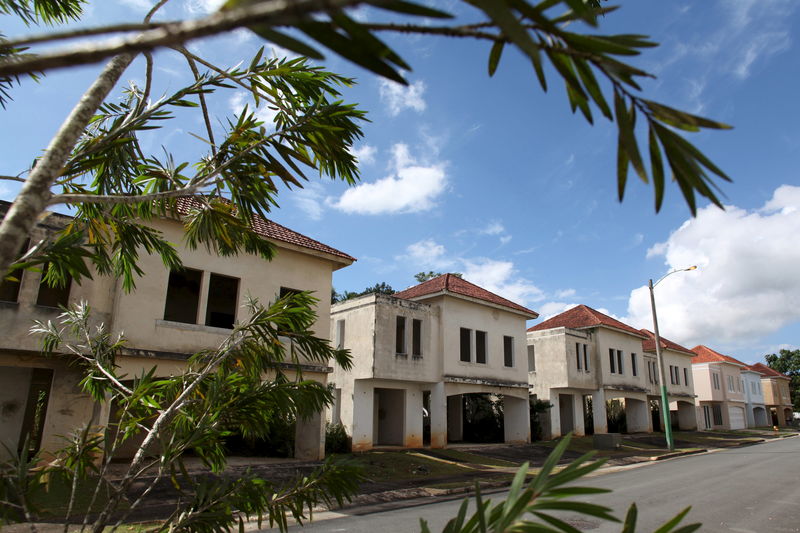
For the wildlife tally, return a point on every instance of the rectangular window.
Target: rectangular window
(466, 349)
(612, 361)
(655, 373)
(287, 291)
(400, 335)
(673, 374)
(531, 358)
(223, 299)
(649, 372)
(619, 362)
(634, 370)
(9, 288)
(578, 354)
(416, 337)
(480, 347)
(340, 334)
(508, 351)
(717, 410)
(686, 376)
(707, 416)
(56, 296)
(585, 358)
(731, 387)
(183, 296)
(715, 380)
(741, 385)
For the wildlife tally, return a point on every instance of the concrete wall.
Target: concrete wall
(14, 384)
(556, 360)
(608, 339)
(703, 382)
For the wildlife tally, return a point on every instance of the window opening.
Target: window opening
(480, 347)
(183, 296)
(508, 351)
(223, 297)
(55, 296)
(466, 349)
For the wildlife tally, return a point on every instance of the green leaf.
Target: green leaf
(494, 56)
(656, 168)
(590, 82)
(627, 138)
(410, 8)
(668, 526)
(681, 119)
(629, 526)
(285, 41)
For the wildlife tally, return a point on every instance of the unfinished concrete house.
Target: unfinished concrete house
(418, 353)
(587, 362)
(777, 398)
(170, 315)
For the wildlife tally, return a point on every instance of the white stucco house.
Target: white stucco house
(720, 390)
(169, 316)
(583, 358)
(417, 352)
(755, 409)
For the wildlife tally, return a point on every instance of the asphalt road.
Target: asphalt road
(754, 489)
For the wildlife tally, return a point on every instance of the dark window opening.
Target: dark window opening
(416, 337)
(531, 358)
(9, 288)
(612, 360)
(508, 351)
(634, 370)
(183, 296)
(286, 291)
(466, 349)
(36, 409)
(717, 410)
(685, 377)
(223, 296)
(619, 361)
(585, 358)
(56, 296)
(400, 335)
(480, 347)
(578, 355)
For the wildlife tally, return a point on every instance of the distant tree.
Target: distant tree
(788, 362)
(425, 276)
(378, 288)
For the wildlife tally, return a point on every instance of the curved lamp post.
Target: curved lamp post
(664, 399)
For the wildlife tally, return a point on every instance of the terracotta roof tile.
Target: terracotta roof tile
(765, 370)
(707, 355)
(583, 316)
(649, 345)
(456, 285)
(274, 231)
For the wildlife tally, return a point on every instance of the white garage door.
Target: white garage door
(736, 415)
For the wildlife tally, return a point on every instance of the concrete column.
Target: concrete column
(363, 414)
(516, 420)
(438, 416)
(579, 425)
(309, 438)
(412, 434)
(555, 416)
(455, 418)
(599, 415)
(637, 416)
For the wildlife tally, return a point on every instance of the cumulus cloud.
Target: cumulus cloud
(397, 97)
(264, 113)
(410, 188)
(746, 285)
(500, 277)
(364, 153)
(201, 7)
(138, 5)
(493, 228)
(310, 200)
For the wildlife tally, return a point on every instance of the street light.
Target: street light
(664, 399)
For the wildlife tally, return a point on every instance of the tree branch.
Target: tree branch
(274, 13)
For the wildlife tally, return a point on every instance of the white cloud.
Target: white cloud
(138, 5)
(500, 277)
(310, 200)
(411, 187)
(493, 228)
(505, 239)
(264, 113)
(746, 285)
(565, 293)
(202, 7)
(364, 153)
(550, 309)
(398, 97)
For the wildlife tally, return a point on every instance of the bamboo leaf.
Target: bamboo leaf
(494, 56)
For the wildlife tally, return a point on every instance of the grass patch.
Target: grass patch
(483, 481)
(393, 466)
(459, 456)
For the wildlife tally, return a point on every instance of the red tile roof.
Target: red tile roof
(649, 345)
(448, 283)
(272, 230)
(707, 355)
(583, 316)
(767, 371)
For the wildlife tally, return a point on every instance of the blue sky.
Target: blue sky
(499, 181)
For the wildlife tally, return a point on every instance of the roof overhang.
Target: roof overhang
(445, 292)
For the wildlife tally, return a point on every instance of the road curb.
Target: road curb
(678, 454)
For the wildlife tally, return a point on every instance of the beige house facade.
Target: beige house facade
(777, 398)
(416, 355)
(169, 316)
(583, 361)
(720, 390)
